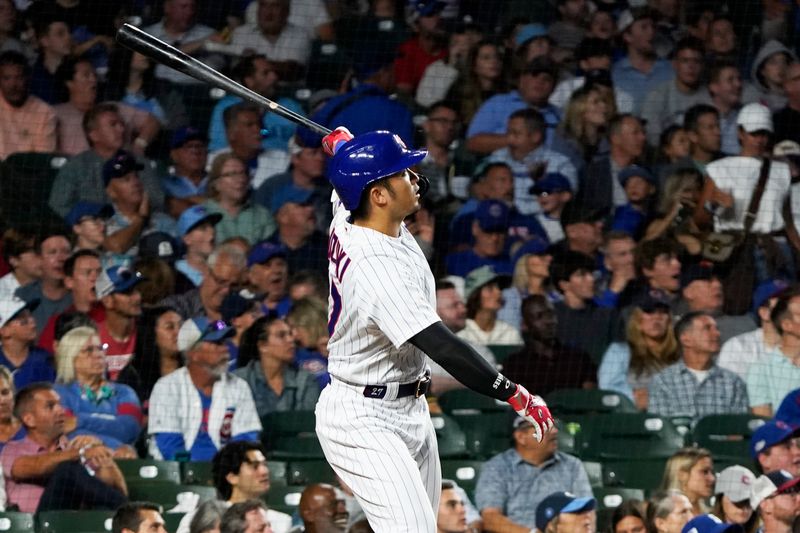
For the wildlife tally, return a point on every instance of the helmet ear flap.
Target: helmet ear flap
(422, 182)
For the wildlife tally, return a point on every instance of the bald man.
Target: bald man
(322, 509)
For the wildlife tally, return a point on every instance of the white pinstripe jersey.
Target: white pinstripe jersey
(382, 294)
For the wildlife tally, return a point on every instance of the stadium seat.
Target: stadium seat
(637, 474)
(306, 472)
(726, 436)
(172, 520)
(291, 435)
(612, 497)
(594, 471)
(467, 402)
(487, 433)
(150, 470)
(196, 473)
(586, 401)
(502, 351)
(74, 521)
(301, 447)
(285, 499)
(16, 522)
(168, 495)
(451, 438)
(624, 436)
(463, 472)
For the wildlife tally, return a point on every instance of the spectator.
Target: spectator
(786, 117)
(46, 471)
(489, 230)
(322, 509)
(196, 230)
(226, 264)
(775, 497)
(452, 515)
(774, 447)
(138, 517)
(248, 516)
(207, 518)
(650, 347)
(483, 292)
(702, 125)
(277, 385)
(258, 74)
(81, 178)
(702, 292)
(53, 296)
(691, 471)
(658, 262)
(768, 73)
(721, 37)
(640, 71)
(561, 511)
(28, 364)
(772, 378)
(620, 268)
(583, 230)
(9, 37)
(601, 188)
(229, 195)
(665, 104)
(552, 192)
(117, 289)
(423, 49)
(581, 135)
(213, 406)
(488, 130)
(673, 144)
(20, 252)
(707, 523)
(640, 188)
(572, 274)
(88, 223)
(54, 44)
(512, 484)
(725, 88)
(673, 219)
(789, 410)
(531, 276)
(92, 405)
(732, 497)
(629, 517)
(545, 364)
(306, 246)
(695, 386)
(269, 277)
(185, 185)
(29, 124)
(156, 352)
(284, 44)
(240, 312)
(10, 427)
(480, 79)
(243, 131)
(240, 472)
(668, 512)
(308, 318)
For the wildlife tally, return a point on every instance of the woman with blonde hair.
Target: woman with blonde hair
(92, 404)
(308, 317)
(582, 131)
(681, 194)
(10, 427)
(531, 276)
(691, 471)
(650, 346)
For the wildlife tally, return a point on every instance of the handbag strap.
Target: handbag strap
(758, 192)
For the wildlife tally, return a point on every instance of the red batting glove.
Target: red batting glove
(533, 409)
(335, 140)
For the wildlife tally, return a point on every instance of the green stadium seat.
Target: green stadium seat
(167, 494)
(285, 499)
(624, 436)
(75, 521)
(301, 447)
(502, 351)
(307, 472)
(172, 520)
(594, 471)
(587, 401)
(638, 474)
(612, 497)
(726, 436)
(291, 435)
(196, 473)
(463, 472)
(467, 402)
(150, 470)
(486, 434)
(16, 522)
(451, 438)
(289, 423)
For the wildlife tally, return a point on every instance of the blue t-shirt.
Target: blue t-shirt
(38, 366)
(203, 448)
(315, 364)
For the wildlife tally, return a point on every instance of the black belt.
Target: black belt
(415, 388)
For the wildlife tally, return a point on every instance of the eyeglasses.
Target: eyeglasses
(223, 283)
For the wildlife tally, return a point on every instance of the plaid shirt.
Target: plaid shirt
(675, 392)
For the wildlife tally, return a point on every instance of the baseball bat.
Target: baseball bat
(166, 54)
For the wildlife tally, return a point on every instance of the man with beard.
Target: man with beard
(200, 407)
(322, 509)
(116, 289)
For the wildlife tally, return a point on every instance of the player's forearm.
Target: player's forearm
(462, 362)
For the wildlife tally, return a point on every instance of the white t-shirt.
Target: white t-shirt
(502, 334)
(741, 351)
(738, 177)
(293, 44)
(305, 14)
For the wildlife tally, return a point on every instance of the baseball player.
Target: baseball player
(372, 421)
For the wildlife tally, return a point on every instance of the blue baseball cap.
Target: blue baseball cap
(427, 8)
(561, 502)
(550, 183)
(789, 410)
(708, 523)
(769, 434)
(88, 209)
(493, 216)
(116, 279)
(121, 164)
(291, 195)
(201, 329)
(235, 305)
(194, 216)
(635, 170)
(529, 32)
(766, 291)
(264, 251)
(651, 300)
(185, 134)
(534, 246)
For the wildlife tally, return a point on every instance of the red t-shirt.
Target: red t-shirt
(118, 353)
(412, 62)
(46, 340)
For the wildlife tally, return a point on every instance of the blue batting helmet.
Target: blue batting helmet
(367, 158)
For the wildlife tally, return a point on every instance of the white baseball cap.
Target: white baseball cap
(11, 307)
(755, 117)
(735, 482)
(771, 484)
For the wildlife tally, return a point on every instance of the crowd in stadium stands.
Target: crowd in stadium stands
(614, 186)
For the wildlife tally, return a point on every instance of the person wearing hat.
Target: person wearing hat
(489, 231)
(185, 183)
(786, 118)
(583, 230)
(552, 192)
(696, 386)
(268, 276)
(483, 288)
(422, 49)
(768, 73)
(88, 223)
(774, 446)
(487, 130)
(27, 363)
(789, 409)
(640, 71)
(732, 497)
(701, 290)
(295, 213)
(532, 41)
(741, 351)
(196, 229)
(772, 378)
(709, 523)
(562, 512)
(240, 312)
(640, 187)
(776, 497)
(214, 407)
(568, 31)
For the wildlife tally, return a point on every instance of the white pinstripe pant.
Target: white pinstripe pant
(386, 452)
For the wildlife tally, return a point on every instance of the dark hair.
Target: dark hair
(362, 210)
(311, 277)
(693, 114)
(616, 122)
(780, 312)
(718, 66)
(24, 396)
(442, 104)
(534, 120)
(146, 359)
(18, 241)
(129, 515)
(593, 47)
(233, 521)
(119, 64)
(626, 509)
(648, 251)
(688, 43)
(448, 485)
(69, 320)
(66, 72)
(12, 57)
(91, 117)
(444, 284)
(258, 332)
(228, 460)
(69, 264)
(246, 67)
(488, 167)
(565, 264)
(686, 322)
(231, 114)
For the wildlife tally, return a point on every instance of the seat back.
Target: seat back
(150, 470)
(726, 436)
(74, 521)
(587, 401)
